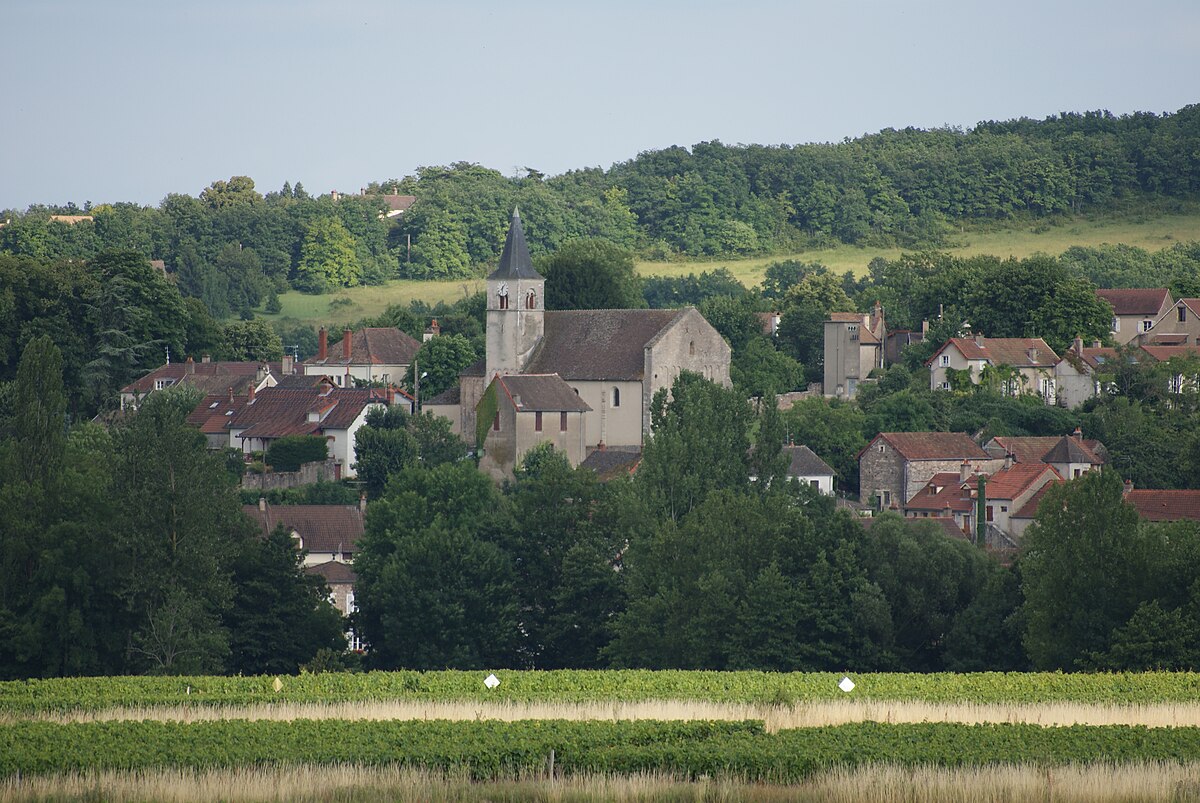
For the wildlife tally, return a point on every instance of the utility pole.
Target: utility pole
(416, 388)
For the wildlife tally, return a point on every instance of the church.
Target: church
(582, 380)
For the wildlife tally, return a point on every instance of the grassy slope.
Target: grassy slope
(1152, 234)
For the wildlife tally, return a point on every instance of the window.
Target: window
(815, 484)
(1077, 473)
(945, 360)
(1004, 508)
(989, 512)
(496, 422)
(945, 386)
(503, 302)
(692, 347)
(1181, 311)
(562, 422)
(616, 397)
(537, 421)
(159, 384)
(1116, 324)
(531, 300)
(1147, 326)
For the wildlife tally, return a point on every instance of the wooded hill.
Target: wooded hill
(234, 248)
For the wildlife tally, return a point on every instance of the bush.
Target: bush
(288, 453)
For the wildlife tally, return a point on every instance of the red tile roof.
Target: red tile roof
(1164, 353)
(335, 572)
(214, 412)
(277, 412)
(931, 445)
(1165, 505)
(1009, 483)
(1029, 509)
(322, 528)
(1038, 449)
(208, 377)
(1136, 301)
(385, 345)
(1018, 352)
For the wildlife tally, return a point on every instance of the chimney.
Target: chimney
(334, 195)
(322, 344)
(1032, 353)
(964, 471)
(362, 502)
(979, 340)
(346, 335)
(1077, 347)
(1128, 487)
(924, 328)
(390, 396)
(1008, 459)
(1077, 434)
(288, 366)
(433, 330)
(231, 394)
(191, 365)
(600, 447)
(204, 358)
(1095, 344)
(262, 504)
(516, 397)
(250, 400)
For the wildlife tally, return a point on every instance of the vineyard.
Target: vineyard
(383, 722)
(65, 694)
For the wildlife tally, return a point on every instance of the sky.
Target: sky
(130, 100)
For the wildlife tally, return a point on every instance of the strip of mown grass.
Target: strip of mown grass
(91, 694)
(490, 750)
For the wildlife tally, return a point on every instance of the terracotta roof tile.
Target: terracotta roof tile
(208, 377)
(1164, 353)
(1165, 505)
(613, 461)
(1018, 352)
(1136, 301)
(378, 345)
(1009, 483)
(322, 528)
(214, 412)
(1029, 509)
(932, 445)
(335, 572)
(278, 412)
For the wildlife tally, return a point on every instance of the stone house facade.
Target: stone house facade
(1031, 359)
(895, 466)
(853, 348)
(1135, 310)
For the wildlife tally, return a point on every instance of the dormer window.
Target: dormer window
(160, 384)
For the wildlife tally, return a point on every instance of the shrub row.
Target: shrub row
(60, 694)
(489, 749)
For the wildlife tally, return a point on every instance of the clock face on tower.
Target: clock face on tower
(502, 290)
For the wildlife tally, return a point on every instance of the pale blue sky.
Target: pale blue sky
(128, 100)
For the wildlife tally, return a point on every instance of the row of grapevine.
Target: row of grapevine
(489, 749)
(63, 694)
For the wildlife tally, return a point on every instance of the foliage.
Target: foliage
(393, 440)
(251, 341)
(327, 257)
(442, 358)
(291, 451)
(591, 273)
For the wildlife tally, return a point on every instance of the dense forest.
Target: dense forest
(233, 247)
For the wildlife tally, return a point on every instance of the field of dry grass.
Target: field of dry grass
(304, 783)
(775, 717)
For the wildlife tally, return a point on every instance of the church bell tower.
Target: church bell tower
(516, 307)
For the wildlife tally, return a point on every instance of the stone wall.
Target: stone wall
(309, 474)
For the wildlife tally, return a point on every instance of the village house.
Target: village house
(328, 535)
(1135, 310)
(1004, 492)
(805, 467)
(374, 355)
(1169, 505)
(895, 466)
(1076, 375)
(1178, 326)
(1069, 455)
(1029, 359)
(853, 349)
(613, 360)
(608, 463)
(326, 410)
(208, 377)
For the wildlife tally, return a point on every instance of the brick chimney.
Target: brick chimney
(1128, 487)
(250, 399)
(1008, 459)
(231, 394)
(1077, 434)
(322, 344)
(191, 365)
(433, 330)
(287, 365)
(205, 358)
(362, 502)
(964, 471)
(1077, 346)
(346, 349)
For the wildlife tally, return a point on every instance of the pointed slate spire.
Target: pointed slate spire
(515, 262)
